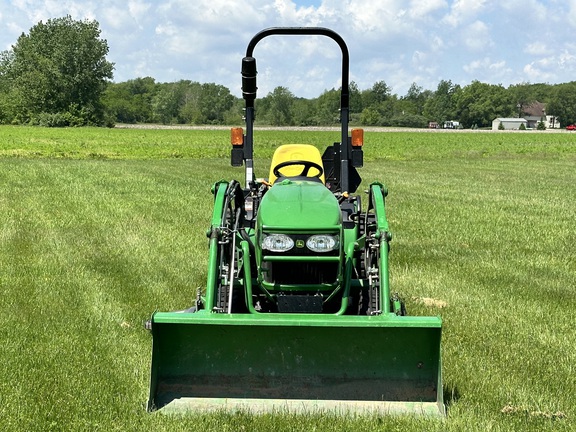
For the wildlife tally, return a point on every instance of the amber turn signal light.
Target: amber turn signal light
(237, 136)
(357, 137)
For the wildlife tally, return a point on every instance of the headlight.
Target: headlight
(322, 243)
(277, 243)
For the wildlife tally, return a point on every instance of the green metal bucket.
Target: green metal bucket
(264, 363)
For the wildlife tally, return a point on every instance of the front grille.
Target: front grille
(300, 273)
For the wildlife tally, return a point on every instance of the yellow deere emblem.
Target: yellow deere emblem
(300, 244)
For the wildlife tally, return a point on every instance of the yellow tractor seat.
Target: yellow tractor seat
(295, 152)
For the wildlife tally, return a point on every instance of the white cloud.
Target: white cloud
(486, 67)
(371, 20)
(37, 10)
(119, 19)
(535, 74)
(419, 57)
(571, 13)
(527, 9)
(463, 11)
(424, 8)
(138, 10)
(567, 60)
(536, 48)
(552, 67)
(423, 64)
(477, 36)
(397, 41)
(436, 43)
(289, 12)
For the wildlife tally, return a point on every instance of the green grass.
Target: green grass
(483, 226)
(98, 143)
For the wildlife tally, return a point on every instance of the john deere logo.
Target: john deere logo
(300, 244)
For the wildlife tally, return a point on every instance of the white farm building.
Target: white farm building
(530, 116)
(512, 123)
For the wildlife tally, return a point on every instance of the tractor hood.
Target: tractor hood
(296, 205)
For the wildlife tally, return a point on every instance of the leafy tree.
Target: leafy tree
(6, 103)
(381, 91)
(280, 110)
(370, 116)
(131, 101)
(214, 101)
(404, 106)
(379, 105)
(356, 105)
(59, 67)
(303, 112)
(388, 110)
(480, 103)
(235, 115)
(187, 95)
(165, 103)
(376, 95)
(441, 105)
(191, 102)
(563, 103)
(415, 99)
(327, 107)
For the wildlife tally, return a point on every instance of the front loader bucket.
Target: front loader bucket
(264, 362)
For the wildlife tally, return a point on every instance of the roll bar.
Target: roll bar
(249, 89)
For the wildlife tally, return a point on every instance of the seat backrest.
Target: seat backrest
(288, 152)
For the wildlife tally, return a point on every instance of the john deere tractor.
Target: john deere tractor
(297, 312)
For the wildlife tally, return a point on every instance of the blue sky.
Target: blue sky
(397, 41)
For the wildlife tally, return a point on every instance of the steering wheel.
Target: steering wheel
(306, 167)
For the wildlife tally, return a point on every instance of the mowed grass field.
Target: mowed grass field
(100, 227)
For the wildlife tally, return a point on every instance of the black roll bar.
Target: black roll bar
(249, 93)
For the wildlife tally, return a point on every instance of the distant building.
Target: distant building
(512, 123)
(531, 115)
(535, 113)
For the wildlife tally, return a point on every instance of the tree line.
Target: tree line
(58, 75)
(475, 105)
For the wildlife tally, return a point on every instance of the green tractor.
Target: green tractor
(297, 313)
